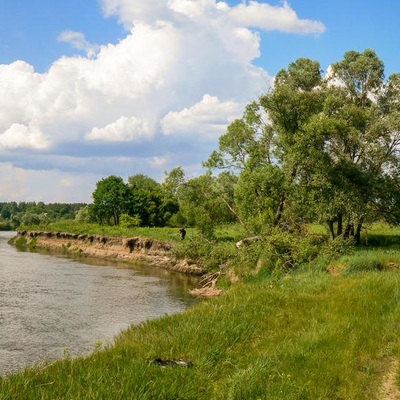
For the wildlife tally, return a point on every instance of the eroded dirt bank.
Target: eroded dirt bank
(149, 251)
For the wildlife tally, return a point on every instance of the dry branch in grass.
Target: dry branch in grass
(208, 286)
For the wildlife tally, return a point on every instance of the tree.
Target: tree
(111, 198)
(202, 205)
(257, 196)
(318, 148)
(143, 183)
(83, 214)
(247, 142)
(173, 180)
(147, 200)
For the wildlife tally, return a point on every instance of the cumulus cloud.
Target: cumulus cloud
(209, 118)
(122, 130)
(281, 18)
(184, 70)
(18, 135)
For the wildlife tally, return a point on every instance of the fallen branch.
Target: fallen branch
(208, 286)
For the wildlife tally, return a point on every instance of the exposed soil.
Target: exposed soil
(135, 249)
(390, 390)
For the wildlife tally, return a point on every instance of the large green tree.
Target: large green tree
(322, 148)
(151, 202)
(111, 198)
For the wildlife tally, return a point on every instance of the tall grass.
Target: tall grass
(304, 336)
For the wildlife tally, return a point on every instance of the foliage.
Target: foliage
(257, 195)
(6, 226)
(83, 215)
(130, 222)
(318, 148)
(203, 203)
(279, 252)
(30, 219)
(111, 198)
(13, 214)
(142, 198)
(211, 255)
(22, 243)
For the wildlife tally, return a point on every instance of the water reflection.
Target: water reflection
(49, 303)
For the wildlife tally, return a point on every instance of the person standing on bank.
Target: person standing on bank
(182, 233)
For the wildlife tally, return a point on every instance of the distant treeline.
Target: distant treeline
(13, 214)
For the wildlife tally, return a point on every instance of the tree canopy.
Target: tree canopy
(318, 148)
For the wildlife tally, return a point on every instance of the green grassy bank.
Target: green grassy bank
(327, 328)
(302, 336)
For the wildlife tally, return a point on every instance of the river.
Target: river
(51, 305)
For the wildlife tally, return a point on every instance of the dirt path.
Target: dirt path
(390, 389)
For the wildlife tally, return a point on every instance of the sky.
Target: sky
(95, 88)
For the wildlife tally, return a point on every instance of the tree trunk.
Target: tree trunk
(358, 231)
(349, 229)
(340, 224)
(283, 199)
(233, 211)
(331, 229)
(116, 218)
(279, 211)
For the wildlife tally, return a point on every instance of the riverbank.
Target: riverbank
(132, 249)
(304, 336)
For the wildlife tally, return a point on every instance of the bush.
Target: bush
(279, 252)
(209, 254)
(6, 226)
(30, 219)
(126, 221)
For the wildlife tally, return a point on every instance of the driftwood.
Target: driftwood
(208, 286)
(247, 241)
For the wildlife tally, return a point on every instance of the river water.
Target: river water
(50, 305)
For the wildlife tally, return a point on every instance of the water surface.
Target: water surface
(51, 304)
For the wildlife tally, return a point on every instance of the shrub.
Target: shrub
(126, 221)
(21, 242)
(6, 226)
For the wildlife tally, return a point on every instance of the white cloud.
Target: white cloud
(281, 18)
(183, 71)
(21, 136)
(122, 130)
(209, 117)
(251, 13)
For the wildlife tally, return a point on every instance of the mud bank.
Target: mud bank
(135, 249)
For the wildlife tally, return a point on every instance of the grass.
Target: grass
(305, 336)
(301, 335)
(70, 226)
(223, 233)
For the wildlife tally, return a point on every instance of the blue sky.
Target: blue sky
(117, 87)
